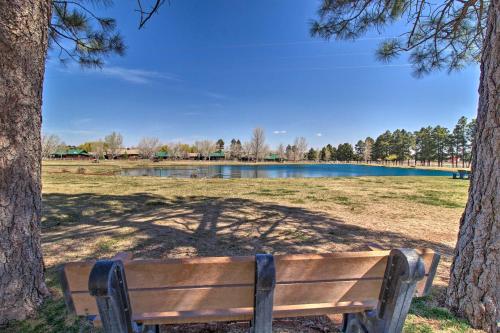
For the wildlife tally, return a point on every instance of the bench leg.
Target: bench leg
(265, 280)
(353, 323)
(151, 329)
(108, 285)
(404, 269)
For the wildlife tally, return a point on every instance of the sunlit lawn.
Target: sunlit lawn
(91, 212)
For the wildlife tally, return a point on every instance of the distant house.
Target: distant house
(192, 156)
(217, 155)
(71, 154)
(273, 158)
(161, 155)
(125, 154)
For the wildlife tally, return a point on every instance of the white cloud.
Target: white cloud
(279, 132)
(139, 76)
(319, 134)
(133, 75)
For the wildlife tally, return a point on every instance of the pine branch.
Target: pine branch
(82, 36)
(447, 34)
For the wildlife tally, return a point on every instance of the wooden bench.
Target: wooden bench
(373, 289)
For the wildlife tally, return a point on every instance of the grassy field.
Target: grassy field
(90, 212)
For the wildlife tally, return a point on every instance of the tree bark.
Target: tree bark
(474, 290)
(23, 48)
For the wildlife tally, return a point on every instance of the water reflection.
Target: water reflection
(278, 171)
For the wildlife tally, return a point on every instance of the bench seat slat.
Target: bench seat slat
(240, 270)
(165, 300)
(197, 288)
(157, 274)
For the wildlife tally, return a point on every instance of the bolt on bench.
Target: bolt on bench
(373, 289)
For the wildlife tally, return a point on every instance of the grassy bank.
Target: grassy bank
(92, 212)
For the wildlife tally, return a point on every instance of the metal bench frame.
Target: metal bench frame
(107, 283)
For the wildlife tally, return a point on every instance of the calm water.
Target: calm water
(279, 171)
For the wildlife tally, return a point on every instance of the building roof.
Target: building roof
(219, 153)
(162, 154)
(72, 152)
(272, 157)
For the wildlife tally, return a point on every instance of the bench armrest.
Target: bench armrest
(107, 283)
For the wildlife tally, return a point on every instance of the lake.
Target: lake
(278, 171)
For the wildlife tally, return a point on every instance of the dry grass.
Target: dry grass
(96, 214)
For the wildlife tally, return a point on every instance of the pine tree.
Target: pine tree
(312, 155)
(74, 32)
(324, 154)
(460, 134)
(368, 149)
(220, 145)
(449, 34)
(440, 136)
(360, 148)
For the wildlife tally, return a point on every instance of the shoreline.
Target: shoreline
(127, 164)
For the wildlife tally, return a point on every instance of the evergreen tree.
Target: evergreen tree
(471, 135)
(440, 136)
(382, 146)
(402, 143)
(368, 149)
(345, 152)
(220, 145)
(448, 34)
(332, 151)
(360, 148)
(312, 155)
(460, 137)
(28, 30)
(425, 148)
(324, 154)
(289, 153)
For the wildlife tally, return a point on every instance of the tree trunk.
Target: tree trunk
(23, 48)
(474, 290)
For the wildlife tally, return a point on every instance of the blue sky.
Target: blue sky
(217, 69)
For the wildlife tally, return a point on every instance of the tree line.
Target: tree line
(111, 147)
(427, 144)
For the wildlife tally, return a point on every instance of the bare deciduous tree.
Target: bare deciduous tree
(50, 144)
(205, 148)
(98, 149)
(148, 147)
(114, 142)
(258, 143)
(280, 151)
(246, 150)
(174, 149)
(300, 145)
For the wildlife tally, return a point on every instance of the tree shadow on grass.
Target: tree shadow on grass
(84, 226)
(153, 226)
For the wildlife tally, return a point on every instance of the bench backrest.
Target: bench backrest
(222, 288)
